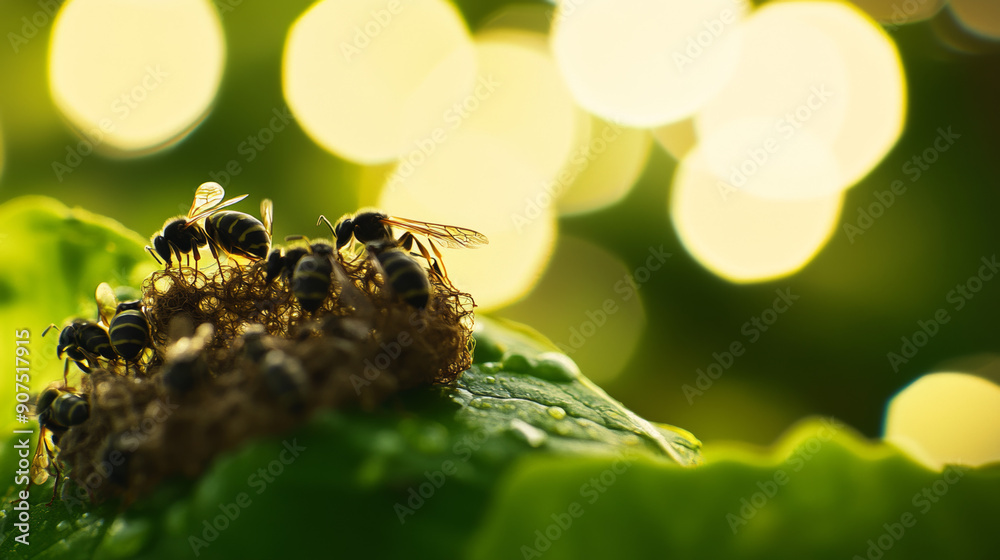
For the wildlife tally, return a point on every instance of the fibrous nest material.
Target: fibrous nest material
(234, 357)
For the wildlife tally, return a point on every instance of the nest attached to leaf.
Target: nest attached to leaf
(233, 357)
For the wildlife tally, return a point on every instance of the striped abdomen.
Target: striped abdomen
(69, 409)
(405, 276)
(94, 340)
(311, 281)
(129, 332)
(239, 234)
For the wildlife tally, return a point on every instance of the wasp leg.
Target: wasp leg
(440, 261)
(55, 465)
(436, 265)
(406, 241)
(216, 251)
(176, 252)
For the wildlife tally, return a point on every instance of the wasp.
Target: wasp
(369, 226)
(281, 262)
(241, 234)
(82, 341)
(233, 233)
(312, 275)
(128, 328)
(183, 235)
(57, 411)
(312, 270)
(404, 274)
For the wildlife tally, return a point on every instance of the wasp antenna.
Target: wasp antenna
(322, 218)
(150, 249)
(294, 237)
(48, 328)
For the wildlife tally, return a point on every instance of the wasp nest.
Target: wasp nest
(233, 356)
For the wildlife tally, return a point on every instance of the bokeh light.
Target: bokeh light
(526, 103)
(742, 237)
(481, 182)
(816, 102)
(981, 17)
(947, 418)
(603, 167)
(134, 76)
(577, 316)
(679, 55)
(370, 82)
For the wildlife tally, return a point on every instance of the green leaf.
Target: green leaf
(53, 259)
(823, 493)
(541, 397)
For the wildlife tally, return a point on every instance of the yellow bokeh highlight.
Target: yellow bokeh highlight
(900, 12)
(606, 163)
(817, 101)
(371, 80)
(646, 63)
(947, 418)
(604, 159)
(981, 17)
(598, 322)
(528, 105)
(677, 138)
(135, 76)
(876, 87)
(480, 182)
(742, 237)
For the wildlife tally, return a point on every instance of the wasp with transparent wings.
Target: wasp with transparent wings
(372, 226)
(233, 233)
(57, 410)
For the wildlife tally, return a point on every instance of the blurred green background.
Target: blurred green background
(826, 356)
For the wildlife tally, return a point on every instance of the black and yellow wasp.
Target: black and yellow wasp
(232, 233)
(402, 273)
(57, 411)
(310, 269)
(370, 225)
(82, 342)
(128, 328)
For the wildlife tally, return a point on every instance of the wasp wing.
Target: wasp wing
(107, 303)
(267, 214)
(40, 462)
(206, 196)
(214, 209)
(449, 236)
